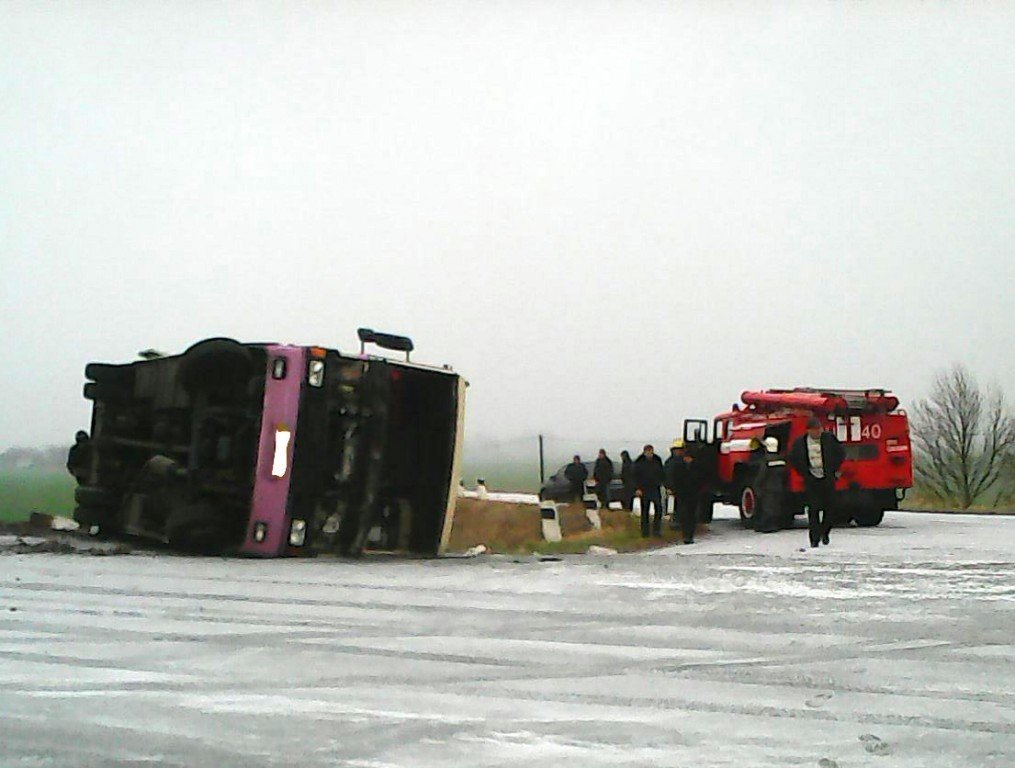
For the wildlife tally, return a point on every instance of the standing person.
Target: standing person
(817, 456)
(770, 483)
(682, 480)
(706, 461)
(671, 468)
(648, 478)
(576, 474)
(79, 457)
(627, 477)
(603, 475)
(690, 495)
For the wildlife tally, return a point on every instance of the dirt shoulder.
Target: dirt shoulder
(503, 527)
(516, 529)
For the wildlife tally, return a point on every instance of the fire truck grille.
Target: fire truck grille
(861, 452)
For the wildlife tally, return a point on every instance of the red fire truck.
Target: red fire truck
(872, 428)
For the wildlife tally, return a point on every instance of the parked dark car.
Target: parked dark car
(558, 488)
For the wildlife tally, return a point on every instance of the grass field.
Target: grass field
(513, 476)
(27, 491)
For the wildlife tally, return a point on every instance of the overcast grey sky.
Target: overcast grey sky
(608, 215)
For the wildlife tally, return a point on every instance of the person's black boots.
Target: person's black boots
(824, 539)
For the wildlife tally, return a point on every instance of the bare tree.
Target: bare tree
(964, 441)
(1006, 492)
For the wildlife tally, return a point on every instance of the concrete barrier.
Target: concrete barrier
(550, 519)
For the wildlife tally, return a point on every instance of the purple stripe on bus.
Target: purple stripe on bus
(271, 494)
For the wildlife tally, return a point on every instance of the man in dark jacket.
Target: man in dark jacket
(672, 465)
(79, 458)
(648, 478)
(627, 478)
(603, 475)
(769, 483)
(576, 474)
(706, 462)
(817, 456)
(682, 480)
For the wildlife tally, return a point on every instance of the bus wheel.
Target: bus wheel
(194, 528)
(96, 507)
(748, 506)
(868, 518)
(218, 362)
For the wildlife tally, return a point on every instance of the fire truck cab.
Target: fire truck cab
(868, 422)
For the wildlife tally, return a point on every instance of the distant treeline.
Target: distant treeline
(53, 457)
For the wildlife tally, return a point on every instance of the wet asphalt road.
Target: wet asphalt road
(892, 647)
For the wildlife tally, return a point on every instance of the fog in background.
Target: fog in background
(608, 216)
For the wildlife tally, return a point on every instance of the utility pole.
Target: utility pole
(542, 477)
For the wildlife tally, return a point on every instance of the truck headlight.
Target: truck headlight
(315, 373)
(298, 533)
(260, 532)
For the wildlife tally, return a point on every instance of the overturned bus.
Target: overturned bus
(272, 449)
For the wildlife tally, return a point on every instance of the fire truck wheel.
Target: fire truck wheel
(767, 518)
(790, 512)
(748, 506)
(868, 518)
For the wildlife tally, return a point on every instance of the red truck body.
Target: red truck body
(868, 422)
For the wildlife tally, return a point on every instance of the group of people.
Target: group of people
(689, 478)
(644, 478)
